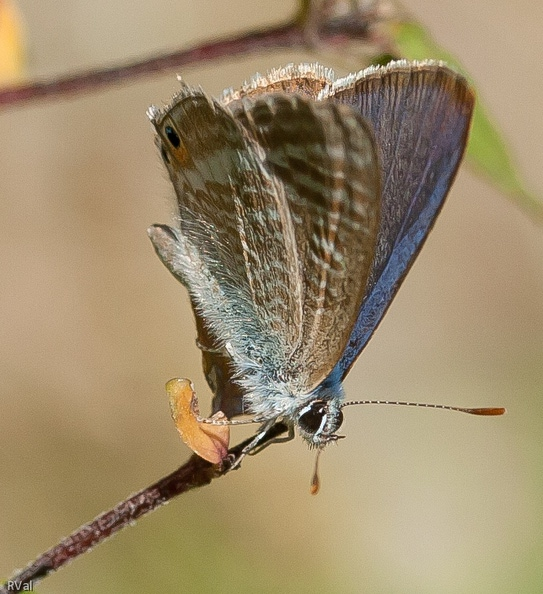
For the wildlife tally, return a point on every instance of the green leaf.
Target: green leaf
(487, 151)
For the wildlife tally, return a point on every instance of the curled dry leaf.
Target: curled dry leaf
(209, 441)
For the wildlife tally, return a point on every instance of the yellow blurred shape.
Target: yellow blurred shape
(12, 49)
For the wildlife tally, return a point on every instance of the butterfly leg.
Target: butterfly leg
(254, 446)
(288, 437)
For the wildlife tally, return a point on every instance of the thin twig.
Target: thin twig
(195, 473)
(290, 35)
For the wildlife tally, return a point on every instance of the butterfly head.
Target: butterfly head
(318, 422)
(320, 417)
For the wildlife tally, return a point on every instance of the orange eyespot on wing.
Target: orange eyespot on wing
(207, 440)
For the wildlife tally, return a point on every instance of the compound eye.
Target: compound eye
(312, 418)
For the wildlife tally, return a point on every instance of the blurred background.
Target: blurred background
(92, 326)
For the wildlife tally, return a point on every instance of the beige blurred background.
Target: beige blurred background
(92, 326)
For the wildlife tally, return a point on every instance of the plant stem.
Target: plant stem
(192, 475)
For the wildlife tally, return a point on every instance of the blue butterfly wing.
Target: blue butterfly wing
(420, 115)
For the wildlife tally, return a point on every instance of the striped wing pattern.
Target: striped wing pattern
(302, 205)
(325, 157)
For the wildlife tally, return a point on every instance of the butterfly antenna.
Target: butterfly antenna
(488, 412)
(212, 421)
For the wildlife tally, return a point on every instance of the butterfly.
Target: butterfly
(303, 202)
